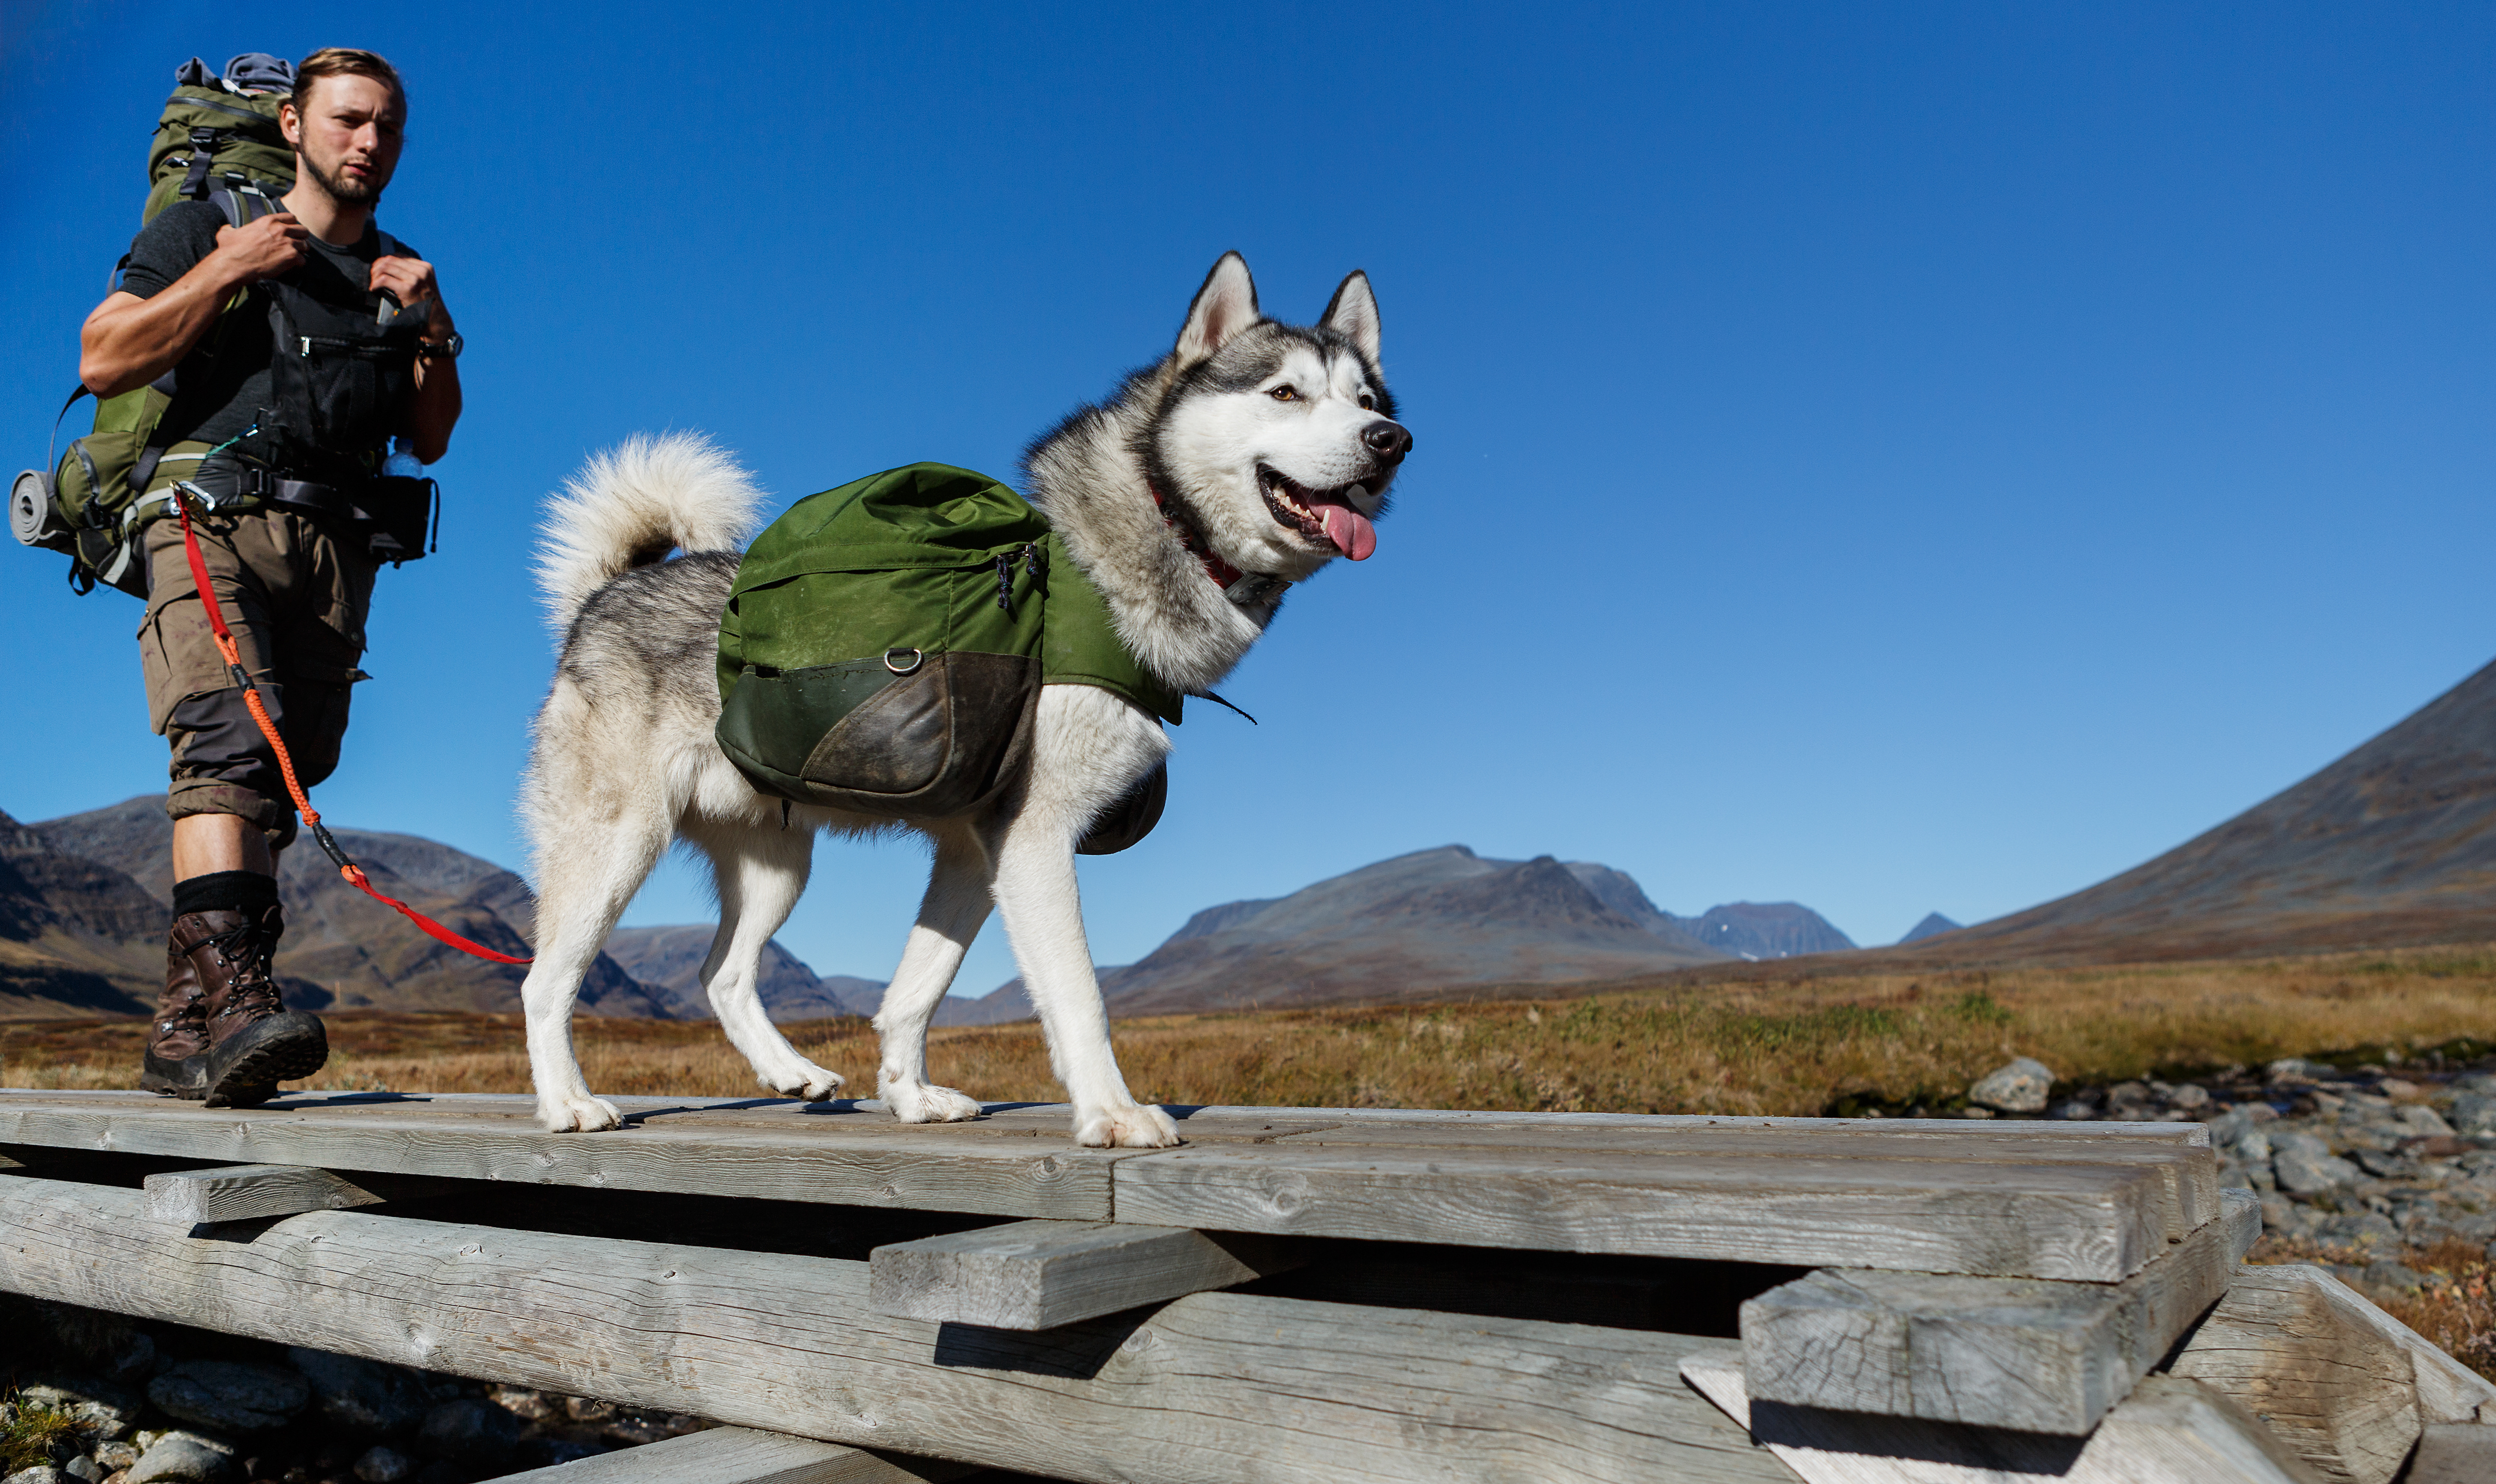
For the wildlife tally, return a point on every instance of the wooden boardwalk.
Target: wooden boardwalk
(2084, 1201)
(1285, 1299)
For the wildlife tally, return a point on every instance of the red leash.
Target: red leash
(355, 873)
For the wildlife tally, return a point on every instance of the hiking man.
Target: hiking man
(298, 345)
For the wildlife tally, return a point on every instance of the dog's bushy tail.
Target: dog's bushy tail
(631, 505)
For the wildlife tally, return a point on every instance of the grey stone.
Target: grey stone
(2419, 1118)
(469, 1430)
(2362, 1228)
(2295, 1069)
(2474, 1114)
(116, 1455)
(103, 1411)
(2018, 1088)
(2475, 1082)
(2305, 1166)
(385, 1466)
(231, 1396)
(2384, 1272)
(184, 1457)
(2077, 1111)
(2188, 1097)
(2126, 1095)
(41, 1474)
(363, 1396)
(84, 1469)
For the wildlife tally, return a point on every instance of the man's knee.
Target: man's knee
(224, 765)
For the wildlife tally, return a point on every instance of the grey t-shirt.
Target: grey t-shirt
(224, 382)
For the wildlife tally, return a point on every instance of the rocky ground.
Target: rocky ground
(101, 1399)
(2366, 1162)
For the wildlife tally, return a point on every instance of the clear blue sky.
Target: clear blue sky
(1888, 457)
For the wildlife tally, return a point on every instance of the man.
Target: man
(284, 430)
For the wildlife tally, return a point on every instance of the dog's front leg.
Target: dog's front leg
(1091, 747)
(949, 918)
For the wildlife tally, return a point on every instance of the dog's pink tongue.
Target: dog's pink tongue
(1350, 530)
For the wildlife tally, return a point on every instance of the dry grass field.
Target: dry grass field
(1791, 1046)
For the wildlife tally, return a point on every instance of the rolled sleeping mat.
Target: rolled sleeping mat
(35, 517)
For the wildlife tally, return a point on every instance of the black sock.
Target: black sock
(226, 891)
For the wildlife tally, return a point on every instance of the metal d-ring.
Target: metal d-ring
(893, 662)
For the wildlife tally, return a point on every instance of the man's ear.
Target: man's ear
(1225, 306)
(290, 123)
(1353, 313)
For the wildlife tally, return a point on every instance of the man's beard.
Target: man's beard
(343, 191)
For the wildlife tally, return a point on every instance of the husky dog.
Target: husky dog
(1248, 457)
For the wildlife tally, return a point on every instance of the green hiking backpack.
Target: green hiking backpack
(217, 140)
(884, 645)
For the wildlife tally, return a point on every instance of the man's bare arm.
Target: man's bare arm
(130, 341)
(433, 409)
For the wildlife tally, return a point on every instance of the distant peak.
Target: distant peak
(1933, 925)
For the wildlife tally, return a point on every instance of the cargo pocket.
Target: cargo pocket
(932, 744)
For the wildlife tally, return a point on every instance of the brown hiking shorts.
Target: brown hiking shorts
(295, 596)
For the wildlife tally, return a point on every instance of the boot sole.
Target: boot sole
(168, 1078)
(244, 1071)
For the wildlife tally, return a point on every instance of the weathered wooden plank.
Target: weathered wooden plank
(1215, 1388)
(2092, 1222)
(2448, 1391)
(2190, 1172)
(2168, 1432)
(239, 1193)
(842, 1160)
(737, 1455)
(1039, 1275)
(2349, 1385)
(2454, 1453)
(2030, 1354)
(2186, 1132)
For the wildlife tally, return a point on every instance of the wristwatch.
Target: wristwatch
(440, 350)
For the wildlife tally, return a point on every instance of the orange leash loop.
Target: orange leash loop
(355, 873)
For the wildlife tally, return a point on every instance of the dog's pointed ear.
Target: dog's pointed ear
(1353, 313)
(1225, 306)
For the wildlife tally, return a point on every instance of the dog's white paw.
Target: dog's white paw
(804, 1080)
(578, 1113)
(922, 1104)
(1133, 1127)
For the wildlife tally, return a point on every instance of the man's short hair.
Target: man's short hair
(346, 62)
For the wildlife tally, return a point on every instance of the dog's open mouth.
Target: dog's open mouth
(1321, 514)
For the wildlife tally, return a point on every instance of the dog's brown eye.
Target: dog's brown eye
(1285, 393)
(1367, 402)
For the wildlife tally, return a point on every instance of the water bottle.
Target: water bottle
(402, 462)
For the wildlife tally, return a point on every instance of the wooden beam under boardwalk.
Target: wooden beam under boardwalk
(1217, 1388)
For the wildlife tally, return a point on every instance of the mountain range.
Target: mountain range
(1432, 925)
(2394, 843)
(83, 900)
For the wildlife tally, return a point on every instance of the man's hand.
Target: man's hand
(268, 248)
(411, 280)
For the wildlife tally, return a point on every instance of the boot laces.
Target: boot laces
(248, 953)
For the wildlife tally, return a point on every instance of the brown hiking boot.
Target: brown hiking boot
(176, 1063)
(248, 1040)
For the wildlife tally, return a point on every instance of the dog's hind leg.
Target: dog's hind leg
(761, 875)
(583, 884)
(949, 918)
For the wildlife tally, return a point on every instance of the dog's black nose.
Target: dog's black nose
(1387, 440)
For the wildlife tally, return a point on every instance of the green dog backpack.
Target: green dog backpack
(217, 140)
(885, 644)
